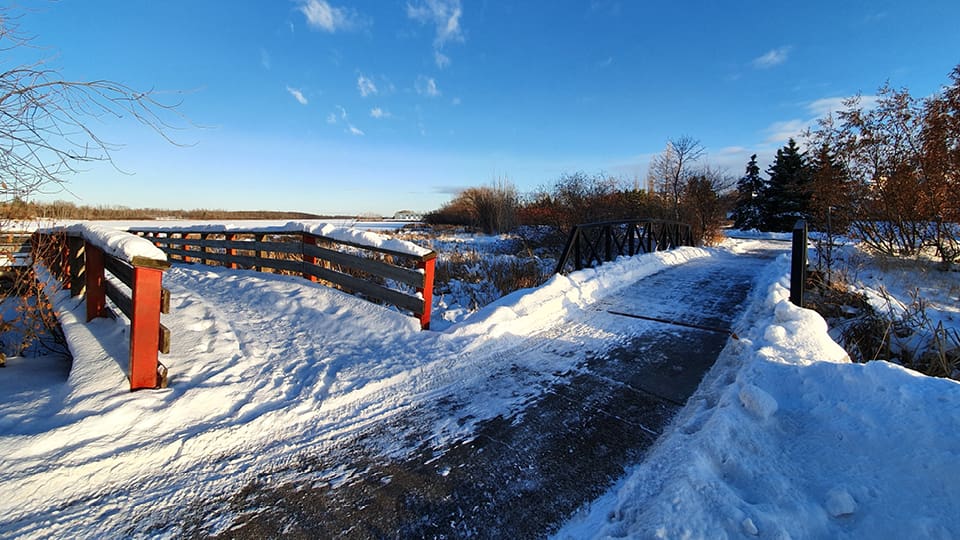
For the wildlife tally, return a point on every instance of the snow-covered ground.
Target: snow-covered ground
(784, 438)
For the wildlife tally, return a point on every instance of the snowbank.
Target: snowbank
(786, 438)
(526, 310)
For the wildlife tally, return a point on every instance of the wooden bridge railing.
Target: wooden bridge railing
(378, 273)
(15, 256)
(83, 266)
(592, 244)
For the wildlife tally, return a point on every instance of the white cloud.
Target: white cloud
(772, 58)
(353, 130)
(731, 150)
(377, 112)
(298, 95)
(427, 86)
(338, 114)
(781, 131)
(831, 105)
(322, 16)
(444, 15)
(366, 86)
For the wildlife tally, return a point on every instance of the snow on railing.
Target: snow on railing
(375, 266)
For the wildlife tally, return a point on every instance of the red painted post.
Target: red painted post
(145, 327)
(96, 283)
(427, 291)
(308, 260)
(231, 252)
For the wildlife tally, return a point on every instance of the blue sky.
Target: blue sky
(376, 106)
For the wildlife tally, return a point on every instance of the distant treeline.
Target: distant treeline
(18, 209)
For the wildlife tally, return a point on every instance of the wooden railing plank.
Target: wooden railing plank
(121, 270)
(372, 290)
(408, 276)
(120, 298)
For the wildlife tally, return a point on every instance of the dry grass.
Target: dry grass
(911, 339)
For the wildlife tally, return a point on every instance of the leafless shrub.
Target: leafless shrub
(490, 208)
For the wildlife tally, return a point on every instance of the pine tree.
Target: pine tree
(750, 188)
(787, 197)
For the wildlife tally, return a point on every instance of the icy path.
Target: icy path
(278, 384)
(578, 402)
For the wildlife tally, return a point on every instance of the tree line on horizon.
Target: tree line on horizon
(19, 209)
(680, 187)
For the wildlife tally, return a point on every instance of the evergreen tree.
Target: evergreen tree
(750, 188)
(787, 197)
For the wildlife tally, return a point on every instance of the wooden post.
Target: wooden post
(798, 263)
(64, 249)
(96, 283)
(231, 252)
(427, 291)
(203, 248)
(145, 327)
(260, 238)
(76, 265)
(185, 247)
(308, 239)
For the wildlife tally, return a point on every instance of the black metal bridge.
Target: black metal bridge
(592, 244)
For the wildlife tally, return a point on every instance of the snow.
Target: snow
(120, 244)
(785, 437)
(527, 310)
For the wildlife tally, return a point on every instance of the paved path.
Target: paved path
(521, 476)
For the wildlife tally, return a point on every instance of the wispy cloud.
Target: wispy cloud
(354, 131)
(444, 15)
(772, 58)
(264, 58)
(427, 86)
(377, 112)
(338, 114)
(366, 86)
(322, 16)
(298, 95)
(779, 132)
(831, 105)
